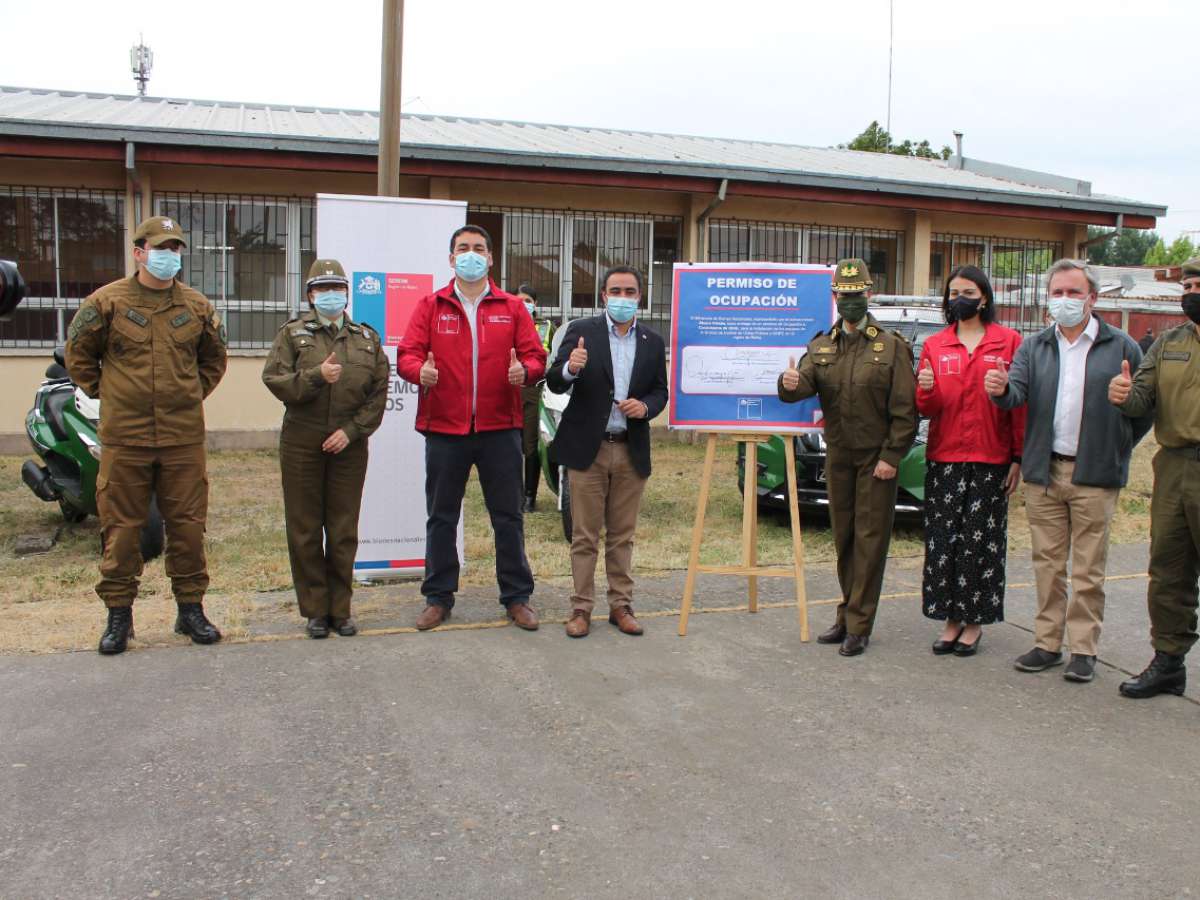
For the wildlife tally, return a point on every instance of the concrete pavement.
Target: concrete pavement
(733, 763)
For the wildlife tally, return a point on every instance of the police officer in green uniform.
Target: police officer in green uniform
(864, 378)
(1168, 383)
(152, 349)
(332, 375)
(531, 398)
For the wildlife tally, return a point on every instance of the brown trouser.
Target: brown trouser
(1069, 520)
(1174, 551)
(861, 511)
(606, 495)
(322, 494)
(531, 398)
(127, 479)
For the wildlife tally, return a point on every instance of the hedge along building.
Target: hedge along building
(79, 171)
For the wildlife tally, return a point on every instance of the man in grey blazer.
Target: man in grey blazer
(1075, 461)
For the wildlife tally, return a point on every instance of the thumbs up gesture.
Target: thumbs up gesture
(791, 375)
(578, 359)
(516, 371)
(331, 369)
(925, 377)
(429, 372)
(1121, 385)
(995, 382)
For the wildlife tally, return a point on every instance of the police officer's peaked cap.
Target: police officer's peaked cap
(158, 230)
(1191, 268)
(851, 276)
(326, 271)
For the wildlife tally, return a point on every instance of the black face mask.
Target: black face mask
(1191, 306)
(963, 308)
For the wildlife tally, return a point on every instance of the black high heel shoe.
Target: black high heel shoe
(943, 648)
(961, 649)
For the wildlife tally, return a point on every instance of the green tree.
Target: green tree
(1178, 251)
(1129, 248)
(877, 139)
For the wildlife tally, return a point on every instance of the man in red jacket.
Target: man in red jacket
(472, 348)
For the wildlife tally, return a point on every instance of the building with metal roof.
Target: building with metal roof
(79, 170)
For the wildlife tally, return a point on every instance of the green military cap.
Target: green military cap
(851, 276)
(158, 230)
(326, 271)
(1191, 268)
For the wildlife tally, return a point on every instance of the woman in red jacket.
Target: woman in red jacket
(973, 464)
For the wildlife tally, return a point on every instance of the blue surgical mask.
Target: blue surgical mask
(470, 266)
(330, 304)
(163, 264)
(531, 308)
(1067, 311)
(621, 309)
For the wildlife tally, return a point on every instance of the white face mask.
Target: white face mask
(1067, 311)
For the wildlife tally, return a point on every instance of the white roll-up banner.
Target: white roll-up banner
(395, 250)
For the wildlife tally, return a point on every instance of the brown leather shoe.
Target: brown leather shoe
(523, 615)
(854, 644)
(623, 618)
(579, 624)
(834, 635)
(432, 616)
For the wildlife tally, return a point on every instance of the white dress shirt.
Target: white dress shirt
(1068, 409)
(470, 307)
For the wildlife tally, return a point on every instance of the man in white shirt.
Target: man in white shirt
(1075, 462)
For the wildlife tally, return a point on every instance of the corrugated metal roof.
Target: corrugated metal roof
(112, 117)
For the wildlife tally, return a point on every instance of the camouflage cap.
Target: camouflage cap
(1190, 268)
(851, 276)
(326, 271)
(158, 230)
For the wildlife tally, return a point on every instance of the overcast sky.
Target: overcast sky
(1106, 90)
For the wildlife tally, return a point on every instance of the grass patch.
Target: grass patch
(48, 601)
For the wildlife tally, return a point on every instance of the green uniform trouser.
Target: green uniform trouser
(861, 510)
(128, 477)
(1174, 551)
(322, 493)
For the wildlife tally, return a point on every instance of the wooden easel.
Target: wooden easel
(749, 566)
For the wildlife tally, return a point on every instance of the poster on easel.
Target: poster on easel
(734, 328)
(394, 250)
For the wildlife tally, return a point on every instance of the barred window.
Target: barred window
(563, 254)
(1013, 265)
(248, 255)
(67, 243)
(732, 240)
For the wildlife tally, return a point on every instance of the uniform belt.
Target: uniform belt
(616, 437)
(1062, 457)
(1192, 452)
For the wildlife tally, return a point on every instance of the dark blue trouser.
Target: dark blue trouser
(448, 460)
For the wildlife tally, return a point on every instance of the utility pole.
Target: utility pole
(389, 99)
(891, 43)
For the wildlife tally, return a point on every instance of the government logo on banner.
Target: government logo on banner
(385, 301)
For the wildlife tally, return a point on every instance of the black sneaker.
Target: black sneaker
(1080, 668)
(1038, 659)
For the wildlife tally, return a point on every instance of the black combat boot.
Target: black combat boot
(195, 625)
(1166, 674)
(118, 631)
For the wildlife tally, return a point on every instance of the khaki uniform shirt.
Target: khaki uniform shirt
(867, 388)
(355, 403)
(151, 356)
(1168, 382)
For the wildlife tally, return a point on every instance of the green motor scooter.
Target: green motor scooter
(62, 427)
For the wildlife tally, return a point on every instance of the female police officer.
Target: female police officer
(332, 375)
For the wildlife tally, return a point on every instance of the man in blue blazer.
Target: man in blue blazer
(616, 370)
